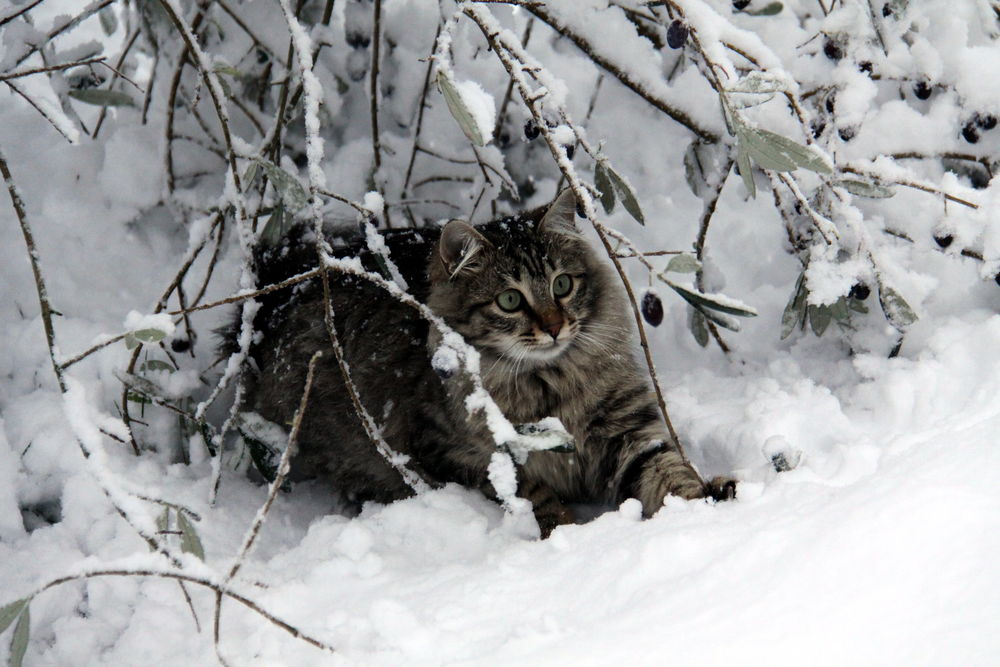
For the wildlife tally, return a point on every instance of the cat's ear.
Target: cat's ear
(561, 216)
(459, 246)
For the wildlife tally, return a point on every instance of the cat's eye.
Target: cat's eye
(510, 300)
(562, 285)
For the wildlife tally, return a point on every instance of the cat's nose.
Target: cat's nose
(552, 325)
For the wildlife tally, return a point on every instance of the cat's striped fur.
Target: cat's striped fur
(567, 354)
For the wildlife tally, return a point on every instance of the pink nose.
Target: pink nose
(552, 327)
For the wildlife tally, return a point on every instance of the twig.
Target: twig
(116, 69)
(44, 114)
(916, 185)
(420, 116)
(23, 10)
(50, 68)
(706, 218)
(218, 587)
(502, 115)
(373, 97)
(623, 76)
(79, 18)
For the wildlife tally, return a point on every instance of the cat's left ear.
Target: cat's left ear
(459, 245)
(561, 216)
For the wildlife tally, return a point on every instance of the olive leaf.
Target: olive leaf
(274, 230)
(773, 151)
(697, 325)
(459, 109)
(624, 191)
(149, 335)
(819, 319)
(19, 641)
(291, 192)
(711, 302)
(796, 308)
(865, 188)
(757, 82)
(603, 183)
(156, 365)
(11, 611)
(768, 10)
(101, 97)
(683, 263)
(109, 20)
(190, 542)
(746, 173)
(896, 309)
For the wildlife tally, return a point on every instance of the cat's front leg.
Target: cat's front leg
(661, 471)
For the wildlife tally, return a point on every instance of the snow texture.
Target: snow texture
(867, 523)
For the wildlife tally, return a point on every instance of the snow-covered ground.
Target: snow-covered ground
(879, 548)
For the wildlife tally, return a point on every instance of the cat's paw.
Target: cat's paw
(721, 488)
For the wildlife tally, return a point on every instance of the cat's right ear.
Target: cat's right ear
(459, 246)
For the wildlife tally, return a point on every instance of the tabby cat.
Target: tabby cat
(549, 321)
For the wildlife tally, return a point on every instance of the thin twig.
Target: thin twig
(23, 10)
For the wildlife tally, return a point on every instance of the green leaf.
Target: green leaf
(857, 306)
(759, 83)
(746, 173)
(773, 151)
(149, 335)
(9, 612)
(895, 307)
(102, 98)
(795, 310)
(839, 310)
(287, 186)
(683, 263)
(819, 319)
(865, 188)
(627, 195)
(724, 321)
(109, 20)
(250, 173)
(190, 542)
(221, 68)
(274, 230)
(697, 325)
(708, 301)
(137, 398)
(768, 10)
(131, 342)
(459, 110)
(156, 365)
(603, 183)
(19, 641)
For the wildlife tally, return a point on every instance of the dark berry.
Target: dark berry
(846, 133)
(531, 130)
(886, 10)
(358, 40)
(866, 66)
(652, 308)
(985, 121)
(817, 128)
(860, 292)
(922, 90)
(832, 50)
(579, 210)
(943, 240)
(180, 345)
(970, 133)
(677, 34)
(570, 150)
(262, 56)
(831, 103)
(740, 5)
(996, 279)
(504, 139)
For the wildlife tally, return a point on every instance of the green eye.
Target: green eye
(562, 285)
(510, 300)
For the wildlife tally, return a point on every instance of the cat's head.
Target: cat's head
(527, 289)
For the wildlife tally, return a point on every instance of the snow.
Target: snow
(874, 544)
(480, 105)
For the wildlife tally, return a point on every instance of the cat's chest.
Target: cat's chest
(555, 393)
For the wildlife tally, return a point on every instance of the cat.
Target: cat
(550, 323)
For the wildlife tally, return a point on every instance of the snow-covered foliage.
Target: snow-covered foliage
(799, 196)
